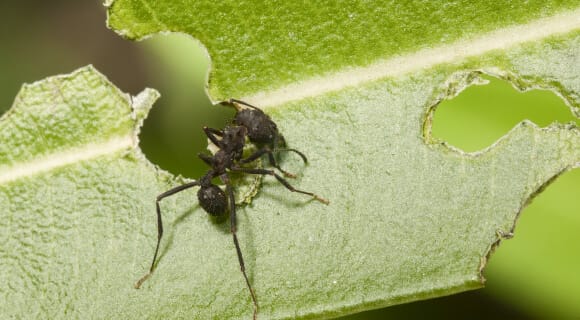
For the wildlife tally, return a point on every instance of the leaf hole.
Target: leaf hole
(172, 135)
(481, 114)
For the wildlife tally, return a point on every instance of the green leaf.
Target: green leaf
(353, 87)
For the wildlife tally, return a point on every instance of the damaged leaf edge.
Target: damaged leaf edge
(453, 86)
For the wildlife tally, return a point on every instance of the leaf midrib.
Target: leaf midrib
(423, 59)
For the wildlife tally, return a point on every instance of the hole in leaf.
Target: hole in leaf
(172, 134)
(481, 114)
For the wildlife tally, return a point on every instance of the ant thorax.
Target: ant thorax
(245, 186)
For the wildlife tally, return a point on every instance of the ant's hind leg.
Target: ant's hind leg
(160, 225)
(281, 180)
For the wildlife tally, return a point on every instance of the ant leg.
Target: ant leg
(279, 140)
(160, 225)
(211, 133)
(207, 159)
(234, 101)
(233, 229)
(280, 179)
(271, 158)
(293, 150)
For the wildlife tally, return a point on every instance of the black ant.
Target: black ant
(262, 131)
(258, 128)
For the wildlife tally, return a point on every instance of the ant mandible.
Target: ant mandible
(250, 123)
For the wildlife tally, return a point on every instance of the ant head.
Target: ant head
(212, 199)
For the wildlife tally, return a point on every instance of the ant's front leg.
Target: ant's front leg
(272, 159)
(281, 180)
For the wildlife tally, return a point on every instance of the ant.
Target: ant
(259, 129)
(262, 131)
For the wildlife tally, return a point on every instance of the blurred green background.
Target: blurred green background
(535, 275)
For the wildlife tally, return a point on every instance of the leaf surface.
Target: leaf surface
(351, 86)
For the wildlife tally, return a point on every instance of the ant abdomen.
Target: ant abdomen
(213, 200)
